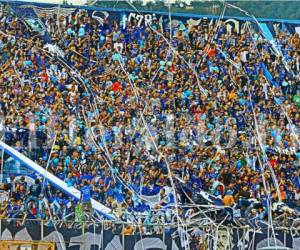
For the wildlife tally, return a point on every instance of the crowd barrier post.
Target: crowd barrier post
(82, 236)
(284, 237)
(244, 233)
(42, 229)
(123, 237)
(164, 236)
(102, 235)
(94, 228)
(2, 164)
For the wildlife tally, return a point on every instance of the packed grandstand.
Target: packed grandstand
(160, 120)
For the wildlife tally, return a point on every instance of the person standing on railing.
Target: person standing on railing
(32, 201)
(36, 189)
(86, 197)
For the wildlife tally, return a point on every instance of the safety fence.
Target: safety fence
(90, 235)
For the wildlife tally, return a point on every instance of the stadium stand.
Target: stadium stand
(160, 119)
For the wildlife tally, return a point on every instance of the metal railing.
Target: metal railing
(124, 235)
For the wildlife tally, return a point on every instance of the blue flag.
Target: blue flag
(268, 75)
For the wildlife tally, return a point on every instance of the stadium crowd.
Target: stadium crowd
(133, 111)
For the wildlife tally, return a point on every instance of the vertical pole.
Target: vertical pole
(253, 239)
(42, 229)
(244, 236)
(123, 237)
(2, 164)
(102, 235)
(0, 228)
(82, 237)
(164, 236)
(284, 238)
(94, 227)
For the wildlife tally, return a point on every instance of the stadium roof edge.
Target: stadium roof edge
(179, 14)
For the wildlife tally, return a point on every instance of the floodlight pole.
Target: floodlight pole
(2, 165)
